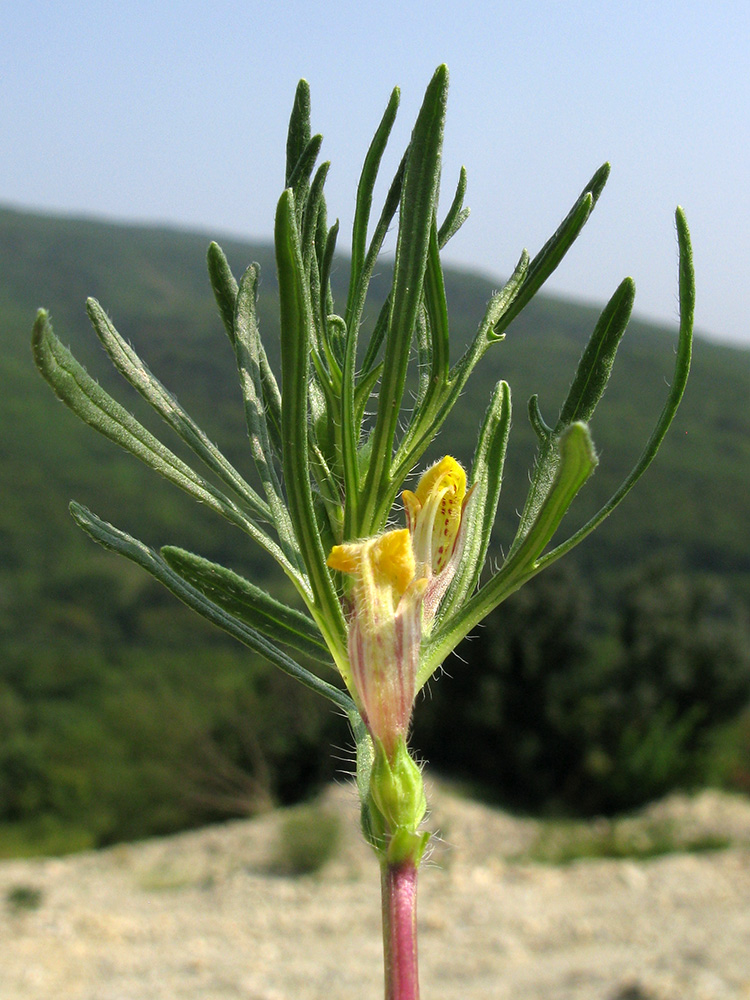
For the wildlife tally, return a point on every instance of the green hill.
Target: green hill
(82, 629)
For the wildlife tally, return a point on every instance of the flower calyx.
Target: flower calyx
(395, 806)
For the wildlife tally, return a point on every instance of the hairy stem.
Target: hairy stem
(399, 893)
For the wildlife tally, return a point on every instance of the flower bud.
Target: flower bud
(397, 805)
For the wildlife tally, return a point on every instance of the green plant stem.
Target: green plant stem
(399, 894)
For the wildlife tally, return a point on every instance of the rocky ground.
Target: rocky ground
(206, 914)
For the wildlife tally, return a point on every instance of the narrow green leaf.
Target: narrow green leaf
(314, 208)
(224, 287)
(248, 603)
(299, 182)
(74, 386)
(485, 483)
(418, 203)
(679, 381)
(248, 350)
(301, 149)
(596, 363)
(577, 463)
(355, 395)
(118, 541)
(541, 428)
(333, 331)
(553, 251)
(296, 325)
(354, 315)
(457, 214)
(437, 311)
(425, 425)
(298, 134)
(424, 363)
(326, 263)
(365, 189)
(225, 292)
(134, 371)
(587, 388)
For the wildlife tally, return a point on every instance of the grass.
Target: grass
(562, 842)
(309, 837)
(23, 898)
(42, 837)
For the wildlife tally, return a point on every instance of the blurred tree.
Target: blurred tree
(683, 672)
(511, 714)
(547, 714)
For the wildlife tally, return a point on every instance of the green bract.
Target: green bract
(328, 473)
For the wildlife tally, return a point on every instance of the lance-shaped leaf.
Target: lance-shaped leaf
(248, 603)
(135, 550)
(380, 232)
(74, 386)
(577, 462)
(424, 362)
(429, 418)
(313, 232)
(130, 366)
(436, 306)
(298, 132)
(485, 485)
(225, 290)
(248, 351)
(553, 251)
(299, 179)
(224, 286)
(365, 187)
(591, 378)
(457, 214)
(679, 381)
(301, 148)
(418, 202)
(596, 363)
(296, 325)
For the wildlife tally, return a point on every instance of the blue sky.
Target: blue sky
(176, 112)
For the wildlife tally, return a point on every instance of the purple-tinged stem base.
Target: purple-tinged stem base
(399, 893)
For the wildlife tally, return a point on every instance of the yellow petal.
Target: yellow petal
(385, 562)
(347, 557)
(434, 512)
(446, 472)
(393, 559)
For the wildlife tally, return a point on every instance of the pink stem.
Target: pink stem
(399, 892)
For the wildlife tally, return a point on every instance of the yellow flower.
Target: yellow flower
(399, 579)
(433, 512)
(385, 630)
(387, 559)
(435, 519)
